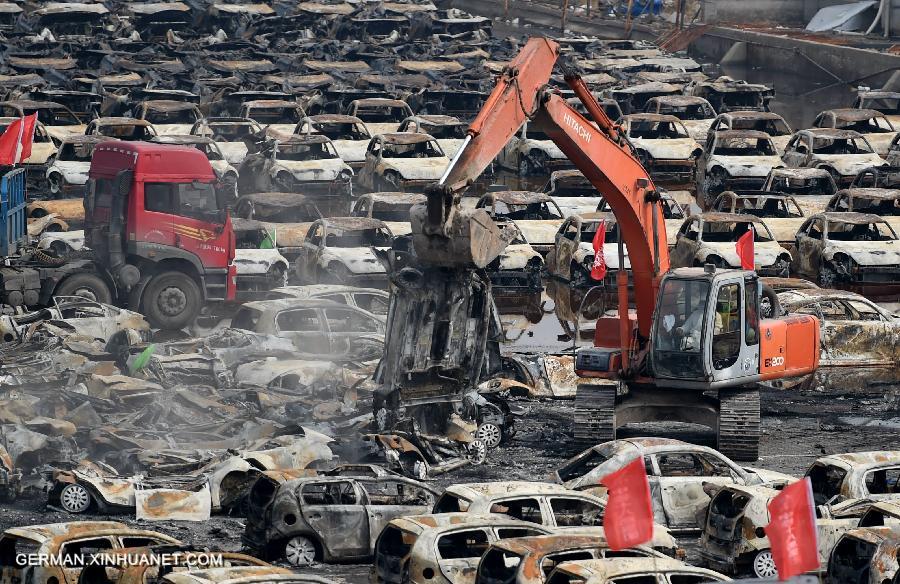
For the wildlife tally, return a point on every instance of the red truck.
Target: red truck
(160, 236)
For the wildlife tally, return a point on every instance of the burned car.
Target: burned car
(316, 327)
(529, 560)
(843, 153)
(734, 160)
(68, 172)
(671, 208)
(709, 238)
(812, 188)
(228, 134)
(871, 125)
(349, 135)
(519, 265)
(67, 540)
(664, 148)
(380, 115)
(58, 120)
(864, 555)
(727, 95)
(536, 215)
(402, 162)
(258, 263)
(881, 202)
(368, 299)
(769, 122)
(847, 248)
(328, 518)
(615, 570)
(43, 151)
(855, 475)
(128, 129)
(279, 116)
(854, 330)
(342, 250)
(447, 130)
(762, 204)
(695, 113)
(392, 208)
(532, 152)
(169, 116)
(677, 472)
(77, 315)
(443, 548)
(309, 165)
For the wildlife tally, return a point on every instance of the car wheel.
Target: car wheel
(827, 277)
(284, 182)
(764, 565)
(300, 551)
(75, 498)
(55, 181)
(490, 434)
(477, 452)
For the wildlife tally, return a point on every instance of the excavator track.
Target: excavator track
(738, 431)
(595, 414)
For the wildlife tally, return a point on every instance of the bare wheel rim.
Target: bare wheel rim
(172, 301)
(490, 434)
(764, 565)
(75, 498)
(300, 551)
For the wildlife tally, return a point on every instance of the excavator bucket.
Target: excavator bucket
(473, 238)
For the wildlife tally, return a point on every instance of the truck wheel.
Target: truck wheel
(172, 301)
(88, 286)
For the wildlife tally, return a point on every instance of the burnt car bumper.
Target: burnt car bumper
(673, 172)
(872, 274)
(528, 279)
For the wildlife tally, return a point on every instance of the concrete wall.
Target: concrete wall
(786, 12)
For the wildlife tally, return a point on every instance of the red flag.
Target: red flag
(598, 270)
(792, 530)
(15, 143)
(628, 518)
(744, 248)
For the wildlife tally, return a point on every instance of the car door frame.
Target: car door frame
(354, 544)
(684, 252)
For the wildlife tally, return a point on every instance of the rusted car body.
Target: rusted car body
(349, 135)
(228, 133)
(677, 471)
(392, 208)
(695, 113)
(536, 215)
(528, 560)
(277, 115)
(328, 518)
(634, 99)
(78, 315)
(811, 187)
(769, 122)
(286, 217)
(169, 116)
(121, 129)
(447, 130)
(368, 299)
(867, 555)
(855, 331)
(532, 152)
(519, 265)
(43, 149)
(307, 164)
(664, 147)
(342, 250)
(58, 120)
(882, 202)
(847, 248)
(260, 266)
(762, 204)
(402, 162)
(734, 160)
(572, 256)
(671, 208)
(610, 571)
(381, 115)
(843, 153)
(73, 538)
(871, 124)
(709, 238)
(67, 214)
(727, 95)
(855, 475)
(443, 548)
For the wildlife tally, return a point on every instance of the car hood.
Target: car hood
(585, 252)
(743, 166)
(517, 256)
(545, 146)
(768, 477)
(351, 150)
(75, 173)
(539, 232)
(234, 152)
(880, 142)
(257, 261)
(60, 132)
(678, 149)
(399, 228)
(312, 170)
(450, 146)
(576, 205)
(173, 129)
(867, 253)
(698, 129)
(359, 260)
(764, 253)
(849, 164)
(418, 168)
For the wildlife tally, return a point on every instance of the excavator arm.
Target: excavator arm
(600, 151)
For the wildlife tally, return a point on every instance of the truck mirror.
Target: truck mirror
(123, 182)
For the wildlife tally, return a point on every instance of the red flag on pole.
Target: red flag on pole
(744, 248)
(628, 518)
(598, 270)
(15, 143)
(792, 530)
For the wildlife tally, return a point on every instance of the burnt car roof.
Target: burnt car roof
(379, 101)
(334, 119)
(398, 197)
(352, 223)
(864, 460)
(517, 197)
(833, 133)
(521, 546)
(854, 115)
(800, 172)
(729, 217)
(849, 217)
(85, 139)
(680, 100)
(167, 105)
(406, 137)
(871, 193)
(742, 134)
(121, 121)
(300, 139)
(752, 115)
(278, 199)
(260, 103)
(437, 120)
(182, 139)
(651, 117)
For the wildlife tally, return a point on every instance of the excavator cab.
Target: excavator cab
(706, 332)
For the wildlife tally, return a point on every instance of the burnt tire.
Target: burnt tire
(738, 427)
(90, 286)
(595, 414)
(828, 277)
(171, 301)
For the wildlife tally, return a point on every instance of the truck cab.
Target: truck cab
(156, 221)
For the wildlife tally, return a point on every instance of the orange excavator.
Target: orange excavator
(695, 348)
